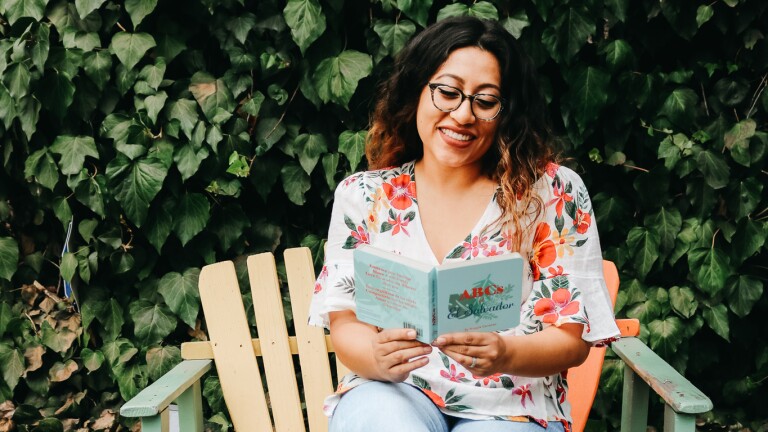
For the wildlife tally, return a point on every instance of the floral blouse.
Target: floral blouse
(565, 284)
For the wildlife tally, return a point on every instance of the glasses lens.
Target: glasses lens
(446, 98)
(486, 106)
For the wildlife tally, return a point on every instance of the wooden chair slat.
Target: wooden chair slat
(232, 349)
(313, 351)
(276, 351)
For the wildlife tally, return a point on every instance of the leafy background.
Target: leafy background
(175, 134)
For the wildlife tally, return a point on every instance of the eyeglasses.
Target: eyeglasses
(448, 98)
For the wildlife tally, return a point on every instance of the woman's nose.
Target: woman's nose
(463, 114)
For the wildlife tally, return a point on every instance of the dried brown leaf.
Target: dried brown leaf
(105, 421)
(34, 356)
(7, 409)
(29, 294)
(7, 425)
(62, 371)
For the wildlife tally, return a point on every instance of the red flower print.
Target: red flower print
(506, 239)
(544, 252)
(524, 391)
(453, 376)
(436, 399)
(556, 271)
(400, 191)
(551, 309)
(492, 251)
(320, 279)
(552, 169)
(582, 222)
(399, 225)
(487, 379)
(561, 197)
(560, 392)
(360, 236)
(474, 247)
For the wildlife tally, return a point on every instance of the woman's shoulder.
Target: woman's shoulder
(370, 180)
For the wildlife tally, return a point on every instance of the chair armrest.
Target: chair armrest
(156, 398)
(677, 392)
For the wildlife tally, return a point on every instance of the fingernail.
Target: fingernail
(411, 333)
(438, 341)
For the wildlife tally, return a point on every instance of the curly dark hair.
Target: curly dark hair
(524, 139)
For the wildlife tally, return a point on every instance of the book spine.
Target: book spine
(434, 319)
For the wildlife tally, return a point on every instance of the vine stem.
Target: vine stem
(280, 120)
(756, 96)
(121, 26)
(704, 97)
(713, 237)
(636, 168)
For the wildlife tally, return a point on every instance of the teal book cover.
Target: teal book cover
(392, 291)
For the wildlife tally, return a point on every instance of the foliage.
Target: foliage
(178, 136)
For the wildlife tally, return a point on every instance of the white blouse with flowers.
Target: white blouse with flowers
(565, 284)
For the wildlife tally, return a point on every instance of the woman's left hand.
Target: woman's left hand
(482, 353)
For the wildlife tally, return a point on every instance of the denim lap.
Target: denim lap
(397, 407)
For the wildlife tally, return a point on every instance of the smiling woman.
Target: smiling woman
(462, 169)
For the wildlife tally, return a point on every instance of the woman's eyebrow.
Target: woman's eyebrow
(460, 80)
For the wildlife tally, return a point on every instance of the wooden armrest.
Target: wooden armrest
(676, 390)
(156, 398)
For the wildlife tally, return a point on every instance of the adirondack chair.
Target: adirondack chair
(237, 362)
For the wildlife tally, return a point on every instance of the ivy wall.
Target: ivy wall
(173, 134)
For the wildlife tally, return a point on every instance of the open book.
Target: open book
(482, 294)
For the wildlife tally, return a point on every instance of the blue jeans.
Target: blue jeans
(387, 407)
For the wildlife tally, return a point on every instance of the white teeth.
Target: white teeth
(456, 136)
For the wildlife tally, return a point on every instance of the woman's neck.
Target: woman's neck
(450, 179)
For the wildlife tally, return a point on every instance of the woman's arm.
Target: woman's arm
(383, 356)
(543, 353)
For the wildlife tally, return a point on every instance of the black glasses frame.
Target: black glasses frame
(471, 97)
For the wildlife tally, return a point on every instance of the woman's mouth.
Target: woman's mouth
(455, 135)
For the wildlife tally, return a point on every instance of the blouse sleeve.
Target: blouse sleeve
(567, 263)
(334, 288)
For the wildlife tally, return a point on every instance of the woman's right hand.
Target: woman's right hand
(396, 353)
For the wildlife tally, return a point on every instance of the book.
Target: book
(482, 294)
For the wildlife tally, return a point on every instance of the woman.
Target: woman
(461, 117)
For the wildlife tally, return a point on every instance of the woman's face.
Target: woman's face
(458, 138)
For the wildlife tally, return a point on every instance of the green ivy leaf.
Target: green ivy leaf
(158, 227)
(131, 379)
(153, 74)
(9, 257)
(154, 104)
(16, 9)
(683, 301)
(112, 319)
(92, 360)
(188, 159)
(715, 169)
(295, 182)
(710, 268)
(667, 223)
(185, 111)
(240, 25)
(417, 10)
(703, 14)
(680, 106)
(135, 184)
(394, 35)
(5, 311)
(131, 47)
(352, 145)
(229, 226)
(666, 335)
(336, 78)
(330, 165)
(41, 166)
(567, 35)
(191, 216)
(181, 294)
(12, 364)
(516, 23)
(748, 239)
(644, 245)
(452, 10)
(306, 20)
(42, 45)
(214, 97)
(73, 150)
(152, 322)
(618, 54)
(29, 114)
(85, 7)
(68, 266)
(17, 79)
(97, 66)
(618, 8)
(483, 10)
(587, 95)
(161, 360)
(59, 340)
(744, 293)
(716, 318)
(744, 197)
(309, 148)
(139, 9)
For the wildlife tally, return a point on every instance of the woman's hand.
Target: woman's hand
(396, 353)
(483, 354)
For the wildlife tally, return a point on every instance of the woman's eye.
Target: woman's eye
(448, 93)
(487, 102)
